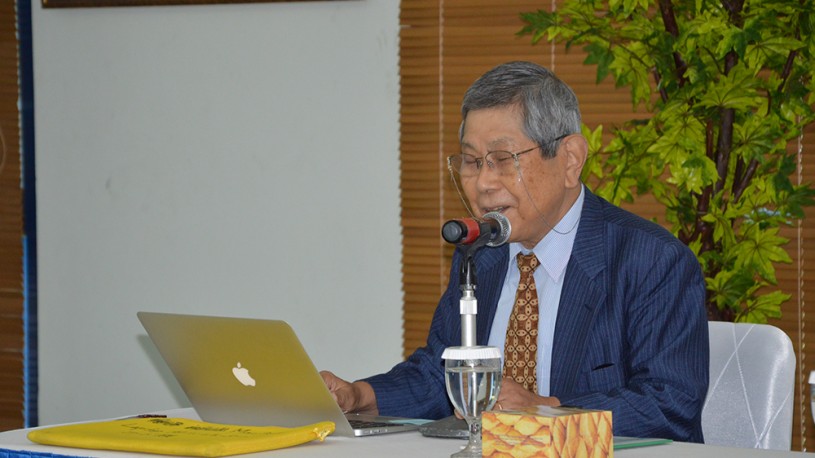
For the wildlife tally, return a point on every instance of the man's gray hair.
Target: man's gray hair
(548, 105)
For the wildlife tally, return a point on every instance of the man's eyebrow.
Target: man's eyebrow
(464, 146)
(503, 144)
(500, 146)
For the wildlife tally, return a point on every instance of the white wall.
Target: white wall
(224, 159)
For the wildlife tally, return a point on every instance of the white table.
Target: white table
(408, 445)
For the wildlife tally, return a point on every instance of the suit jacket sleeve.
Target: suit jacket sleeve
(415, 388)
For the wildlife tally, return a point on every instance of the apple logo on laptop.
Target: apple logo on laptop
(242, 374)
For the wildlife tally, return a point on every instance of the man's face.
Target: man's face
(533, 200)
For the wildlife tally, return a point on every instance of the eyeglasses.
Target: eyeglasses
(503, 162)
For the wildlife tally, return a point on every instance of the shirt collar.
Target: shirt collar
(555, 249)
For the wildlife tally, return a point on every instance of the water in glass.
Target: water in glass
(473, 378)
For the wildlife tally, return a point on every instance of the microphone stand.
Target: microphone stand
(468, 305)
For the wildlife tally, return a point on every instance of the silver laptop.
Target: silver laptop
(252, 372)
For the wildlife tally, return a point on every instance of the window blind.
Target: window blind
(11, 230)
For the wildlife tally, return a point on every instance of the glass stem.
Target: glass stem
(475, 433)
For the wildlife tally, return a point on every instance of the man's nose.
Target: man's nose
(487, 178)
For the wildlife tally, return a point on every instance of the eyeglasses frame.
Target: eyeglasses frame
(480, 161)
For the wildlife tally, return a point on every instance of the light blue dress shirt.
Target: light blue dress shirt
(553, 253)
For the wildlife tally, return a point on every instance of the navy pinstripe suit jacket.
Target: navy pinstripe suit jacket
(631, 333)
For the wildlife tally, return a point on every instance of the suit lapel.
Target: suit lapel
(583, 293)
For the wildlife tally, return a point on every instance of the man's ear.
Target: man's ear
(575, 149)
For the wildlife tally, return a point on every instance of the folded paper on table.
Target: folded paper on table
(178, 436)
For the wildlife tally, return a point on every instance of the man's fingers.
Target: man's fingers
(332, 381)
(340, 390)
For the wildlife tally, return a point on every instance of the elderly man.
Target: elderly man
(612, 315)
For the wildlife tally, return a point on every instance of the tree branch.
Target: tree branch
(709, 150)
(745, 181)
(666, 9)
(699, 226)
(724, 146)
(703, 202)
(725, 143)
(734, 9)
(737, 177)
(663, 93)
(785, 74)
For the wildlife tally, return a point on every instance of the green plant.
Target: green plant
(729, 87)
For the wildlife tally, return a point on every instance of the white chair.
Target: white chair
(752, 379)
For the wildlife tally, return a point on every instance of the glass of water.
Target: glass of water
(473, 379)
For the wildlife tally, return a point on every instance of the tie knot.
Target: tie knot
(527, 262)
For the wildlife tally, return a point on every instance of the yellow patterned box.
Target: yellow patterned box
(552, 432)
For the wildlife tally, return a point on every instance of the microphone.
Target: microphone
(493, 228)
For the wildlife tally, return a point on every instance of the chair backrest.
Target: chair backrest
(752, 380)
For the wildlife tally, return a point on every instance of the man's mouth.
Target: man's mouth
(494, 209)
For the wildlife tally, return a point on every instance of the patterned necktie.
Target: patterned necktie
(521, 346)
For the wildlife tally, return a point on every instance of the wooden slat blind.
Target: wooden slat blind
(445, 46)
(799, 325)
(11, 230)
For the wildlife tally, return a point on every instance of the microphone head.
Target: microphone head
(505, 229)
(453, 231)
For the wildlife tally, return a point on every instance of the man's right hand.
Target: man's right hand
(357, 397)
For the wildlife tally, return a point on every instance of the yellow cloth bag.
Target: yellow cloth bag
(178, 436)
